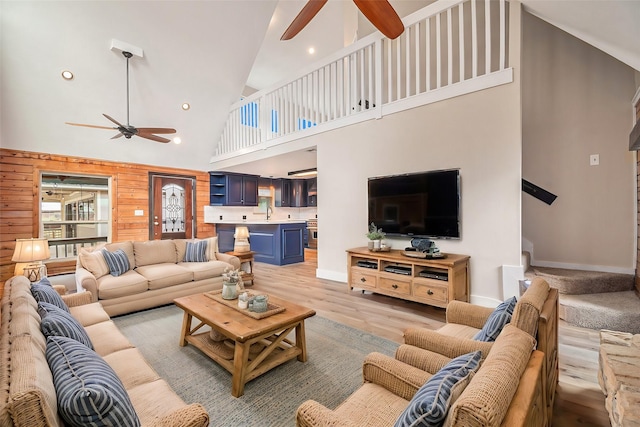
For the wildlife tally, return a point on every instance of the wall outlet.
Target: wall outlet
(594, 159)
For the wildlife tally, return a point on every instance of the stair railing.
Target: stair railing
(448, 48)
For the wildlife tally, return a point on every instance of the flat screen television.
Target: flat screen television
(424, 204)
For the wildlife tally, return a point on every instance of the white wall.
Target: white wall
(577, 102)
(478, 133)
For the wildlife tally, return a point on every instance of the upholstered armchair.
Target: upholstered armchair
(536, 313)
(505, 391)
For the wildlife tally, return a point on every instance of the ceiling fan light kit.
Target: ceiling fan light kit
(128, 130)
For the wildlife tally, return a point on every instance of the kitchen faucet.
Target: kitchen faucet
(269, 212)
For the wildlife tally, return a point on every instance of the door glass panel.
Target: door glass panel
(173, 220)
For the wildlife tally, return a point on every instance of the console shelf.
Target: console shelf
(428, 281)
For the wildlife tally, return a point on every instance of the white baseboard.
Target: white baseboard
(484, 301)
(586, 267)
(331, 275)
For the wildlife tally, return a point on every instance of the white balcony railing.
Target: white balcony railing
(449, 48)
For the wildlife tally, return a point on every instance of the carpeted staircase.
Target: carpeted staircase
(592, 299)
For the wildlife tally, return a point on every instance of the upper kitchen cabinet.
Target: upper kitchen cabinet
(264, 182)
(282, 192)
(312, 192)
(231, 189)
(299, 193)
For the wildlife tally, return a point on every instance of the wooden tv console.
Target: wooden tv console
(449, 276)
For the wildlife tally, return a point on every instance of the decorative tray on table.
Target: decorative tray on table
(233, 303)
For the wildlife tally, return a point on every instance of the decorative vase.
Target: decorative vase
(370, 244)
(376, 244)
(260, 303)
(229, 290)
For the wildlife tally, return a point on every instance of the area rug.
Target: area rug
(332, 372)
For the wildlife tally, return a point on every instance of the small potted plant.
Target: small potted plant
(375, 236)
(232, 283)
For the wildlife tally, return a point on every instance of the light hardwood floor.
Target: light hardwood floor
(579, 400)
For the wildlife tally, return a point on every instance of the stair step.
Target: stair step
(577, 282)
(617, 311)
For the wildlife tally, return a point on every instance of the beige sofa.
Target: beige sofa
(157, 276)
(27, 393)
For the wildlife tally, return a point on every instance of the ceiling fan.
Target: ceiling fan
(127, 130)
(379, 12)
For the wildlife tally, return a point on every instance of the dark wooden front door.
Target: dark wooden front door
(171, 207)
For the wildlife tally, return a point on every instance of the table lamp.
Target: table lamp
(30, 253)
(242, 240)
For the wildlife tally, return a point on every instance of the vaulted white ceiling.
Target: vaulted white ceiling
(201, 52)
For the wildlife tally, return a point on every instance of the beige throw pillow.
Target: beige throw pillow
(212, 248)
(94, 262)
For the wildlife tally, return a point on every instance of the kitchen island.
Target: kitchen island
(277, 242)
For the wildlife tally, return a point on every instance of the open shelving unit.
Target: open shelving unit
(428, 281)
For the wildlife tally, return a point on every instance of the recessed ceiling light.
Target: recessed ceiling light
(311, 51)
(186, 106)
(67, 75)
(177, 140)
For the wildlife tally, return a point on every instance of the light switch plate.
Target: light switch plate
(594, 159)
(138, 212)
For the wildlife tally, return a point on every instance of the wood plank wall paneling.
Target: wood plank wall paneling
(19, 193)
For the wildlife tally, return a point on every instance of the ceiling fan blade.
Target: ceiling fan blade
(382, 15)
(153, 137)
(117, 136)
(114, 121)
(156, 130)
(306, 14)
(90, 126)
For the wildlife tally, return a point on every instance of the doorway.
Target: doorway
(171, 205)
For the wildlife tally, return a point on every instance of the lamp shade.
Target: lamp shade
(242, 240)
(29, 250)
(241, 233)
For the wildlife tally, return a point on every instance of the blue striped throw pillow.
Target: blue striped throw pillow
(57, 322)
(430, 405)
(196, 251)
(117, 261)
(46, 293)
(88, 390)
(496, 321)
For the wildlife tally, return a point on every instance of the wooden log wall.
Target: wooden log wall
(19, 194)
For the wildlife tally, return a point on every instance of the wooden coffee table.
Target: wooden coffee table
(268, 335)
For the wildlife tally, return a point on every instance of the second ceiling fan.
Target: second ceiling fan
(127, 130)
(379, 12)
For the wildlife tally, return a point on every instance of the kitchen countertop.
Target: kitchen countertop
(260, 222)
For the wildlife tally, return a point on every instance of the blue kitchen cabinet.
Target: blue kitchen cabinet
(282, 192)
(230, 189)
(277, 244)
(225, 237)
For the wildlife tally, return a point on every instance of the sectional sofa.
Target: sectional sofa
(28, 396)
(155, 272)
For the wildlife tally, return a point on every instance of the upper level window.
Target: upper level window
(74, 212)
